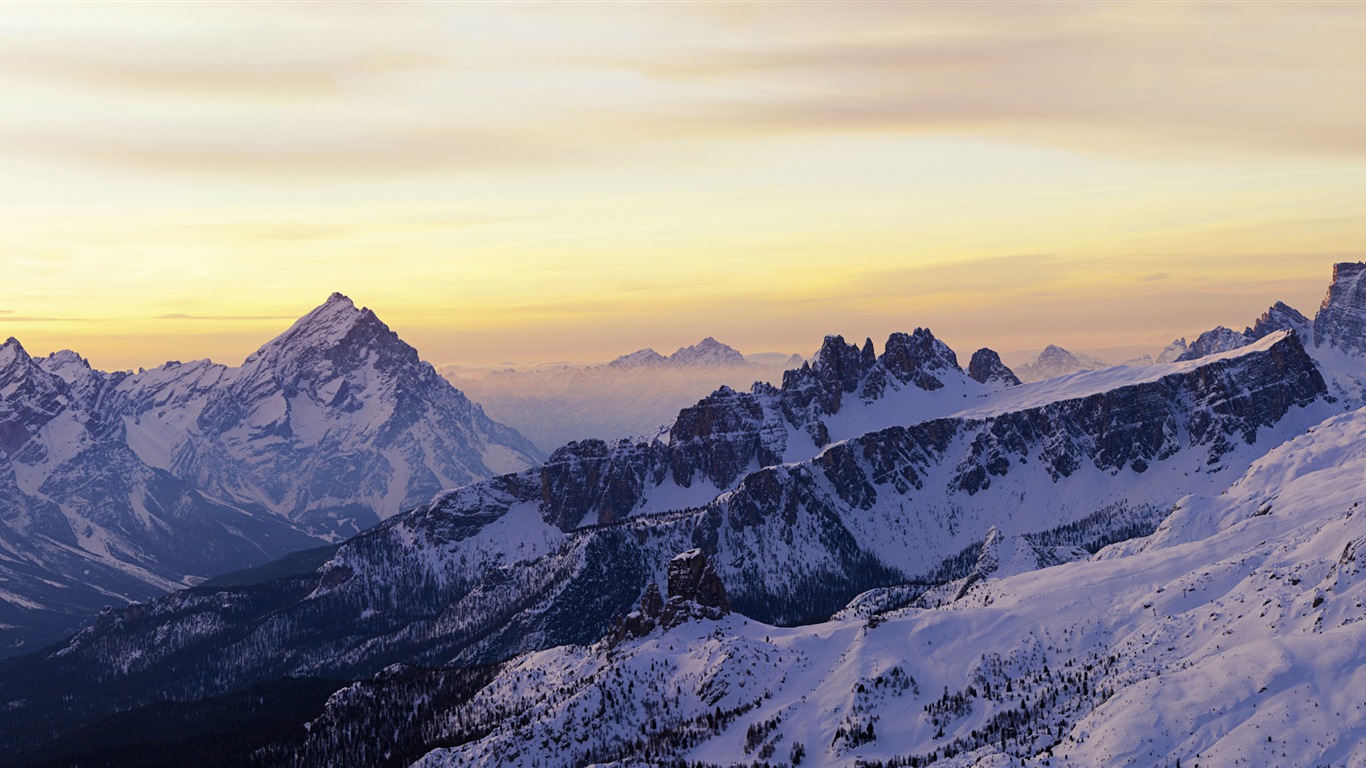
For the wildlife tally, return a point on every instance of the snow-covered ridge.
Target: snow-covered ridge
(1232, 636)
(1086, 383)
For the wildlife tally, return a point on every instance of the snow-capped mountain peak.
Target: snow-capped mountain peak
(1055, 361)
(639, 359)
(1172, 351)
(1279, 317)
(708, 351)
(335, 323)
(187, 470)
(11, 353)
(1216, 340)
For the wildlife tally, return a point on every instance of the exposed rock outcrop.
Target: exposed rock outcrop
(695, 591)
(1280, 317)
(1214, 341)
(986, 367)
(1341, 319)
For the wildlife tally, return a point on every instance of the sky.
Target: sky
(572, 181)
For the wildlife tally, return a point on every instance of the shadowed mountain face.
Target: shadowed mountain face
(118, 486)
(1341, 319)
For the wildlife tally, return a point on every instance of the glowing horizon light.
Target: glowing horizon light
(577, 182)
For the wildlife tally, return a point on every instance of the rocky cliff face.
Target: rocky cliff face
(1203, 420)
(1214, 341)
(1341, 319)
(695, 591)
(1280, 317)
(986, 367)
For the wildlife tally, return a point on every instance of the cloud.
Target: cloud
(280, 91)
(1006, 272)
(228, 318)
(1118, 78)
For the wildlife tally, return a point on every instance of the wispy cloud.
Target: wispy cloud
(228, 318)
(275, 92)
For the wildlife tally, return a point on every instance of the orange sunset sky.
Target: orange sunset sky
(532, 182)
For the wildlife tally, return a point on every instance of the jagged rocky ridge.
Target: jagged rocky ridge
(119, 486)
(552, 556)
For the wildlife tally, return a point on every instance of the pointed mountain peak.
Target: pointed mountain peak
(1280, 317)
(913, 351)
(869, 354)
(639, 358)
(1053, 350)
(324, 327)
(840, 361)
(66, 364)
(68, 357)
(916, 358)
(708, 351)
(1056, 361)
(1212, 342)
(1173, 350)
(12, 352)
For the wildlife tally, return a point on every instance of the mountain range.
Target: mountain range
(634, 394)
(885, 560)
(120, 486)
